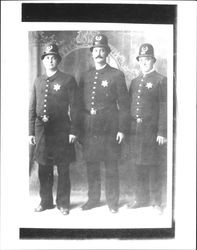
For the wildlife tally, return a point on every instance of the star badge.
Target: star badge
(104, 83)
(149, 85)
(56, 87)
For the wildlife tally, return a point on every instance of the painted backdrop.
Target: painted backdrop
(76, 58)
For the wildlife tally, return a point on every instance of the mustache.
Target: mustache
(99, 57)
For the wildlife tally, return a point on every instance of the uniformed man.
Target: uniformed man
(148, 94)
(105, 102)
(52, 129)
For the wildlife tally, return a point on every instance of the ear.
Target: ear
(58, 59)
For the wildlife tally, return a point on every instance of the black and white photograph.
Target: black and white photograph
(95, 126)
(111, 160)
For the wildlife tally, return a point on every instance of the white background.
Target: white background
(14, 128)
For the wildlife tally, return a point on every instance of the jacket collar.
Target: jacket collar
(103, 70)
(51, 78)
(149, 74)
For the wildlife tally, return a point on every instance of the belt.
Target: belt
(137, 120)
(94, 111)
(43, 118)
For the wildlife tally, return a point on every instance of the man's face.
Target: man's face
(50, 62)
(99, 55)
(146, 63)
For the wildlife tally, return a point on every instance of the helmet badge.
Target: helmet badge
(49, 48)
(144, 50)
(98, 38)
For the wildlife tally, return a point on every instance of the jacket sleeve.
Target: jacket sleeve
(74, 107)
(32, 110)
(123, 104)
(130, 92)
(162, 123)
(80, 95)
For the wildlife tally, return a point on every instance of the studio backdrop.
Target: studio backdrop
(74, 47)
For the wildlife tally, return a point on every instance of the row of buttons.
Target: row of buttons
(138, 101)
(94, 88)
(45, 99)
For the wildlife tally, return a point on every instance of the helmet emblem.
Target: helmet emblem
(144, 50)
(49, 48)
(98, 38)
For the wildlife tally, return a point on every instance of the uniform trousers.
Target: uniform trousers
(45, 174)
(111, 182)
(148, 186)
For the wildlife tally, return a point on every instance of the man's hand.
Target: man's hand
(119, 137)
(32, 140)
(161, 140)
(72, 138)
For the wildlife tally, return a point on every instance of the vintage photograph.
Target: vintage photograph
(99, 127)
(98, 113)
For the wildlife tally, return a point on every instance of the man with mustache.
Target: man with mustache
(105, 115)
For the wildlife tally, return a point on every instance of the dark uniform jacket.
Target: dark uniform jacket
(52, 97)
(148, 97)
(103, 92)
